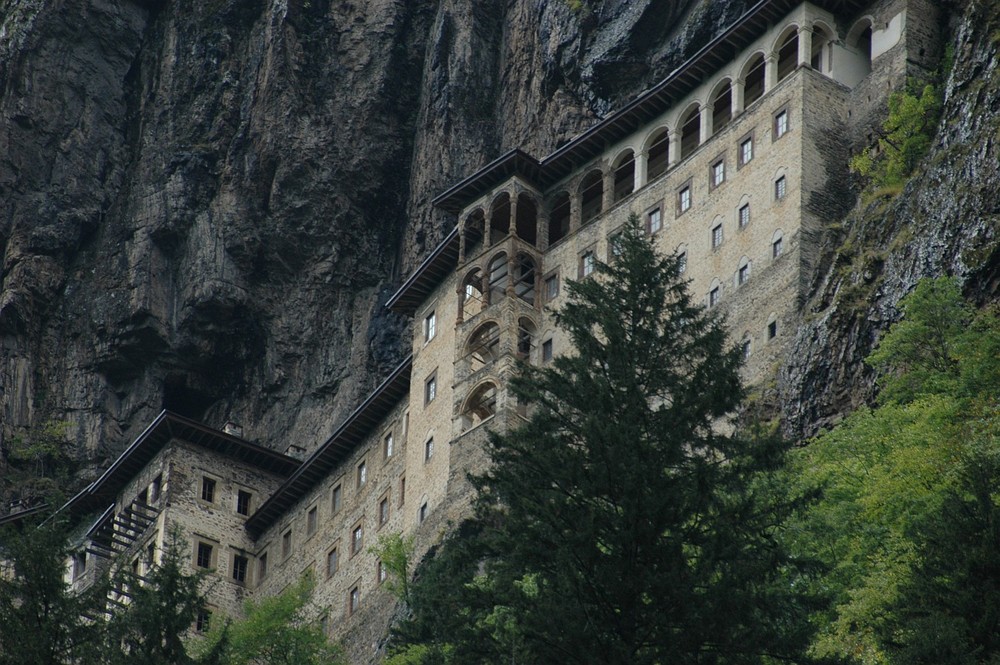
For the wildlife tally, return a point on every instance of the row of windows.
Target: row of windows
(209, 494)
(743, 271)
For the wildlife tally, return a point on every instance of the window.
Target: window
(207, 490)
(262, 566)
(240, 565)
(430, 388)
(154, 489)
(780, 124)
(745, 349)
(324, 625)
(746, 151)
(332, 562)
(388, 446)
(717, 174)
(587, 261)
(353, 600)
(744, 215)
(743, 274)
(772, 330)
(654, 221)
(383, 511)
(546, 350)
(776, 248)
(684, 200)
(286, 543)
(402, 490)
(716, 236)
(551, 286)
(203, 620)
(780, 188)
(682, 262)
(430, 326)
(713, 297)
(204, 557)
(243, 502)
(357, 539)
(362, 475)
(422, 513)
(381, 573)
(337, 502)
(311, 519)
(615, 245)
(429, 449)
(79, 564)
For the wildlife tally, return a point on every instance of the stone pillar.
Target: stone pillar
(608, 193)
(706, 123)
(513, 216)
(805, 46)
(770, 72)
(641, 164)
(674, 152)
(461, 243)
(739, 87)
(543, 227)
(488, 227)
(461, 304)
(574, 211)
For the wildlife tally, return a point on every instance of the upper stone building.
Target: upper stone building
(736, 161)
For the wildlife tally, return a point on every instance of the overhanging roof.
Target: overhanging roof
(438, 265)
(336, 449)
(164, 428)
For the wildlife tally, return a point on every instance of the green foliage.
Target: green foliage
(395, 552)
(907, 522)
(41, 621)
(620, 524)
(40, 465)
(905, 139)
(275, 631)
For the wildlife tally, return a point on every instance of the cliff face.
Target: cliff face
(203, 204)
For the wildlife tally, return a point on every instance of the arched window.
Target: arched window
(743, 271)
(525, 277)
(859, 40)
(777, 244)
(499, 218)
(753, 79)
(592, 196)
(473, 298)
(526, 331)
(498, 277)
(658, 153)
(788, 53)
(527, 219)
(480, 406)
(690, 130)
(475, 230)
(484, 345)
(722, 106)
(822, 54)
(559, 211)
(624, 175)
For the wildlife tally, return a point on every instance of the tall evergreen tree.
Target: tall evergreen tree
(623, 523)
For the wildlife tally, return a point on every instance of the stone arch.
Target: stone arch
(624, 170)
(559, 215)
(525, 278)
(499, 218)
(786, 51)
(527, 331)
(483, 347)
(473, 297)
(722, 105)
(527, 219)
(657, 149)
(743, 270)
(859, 40)
(777, 244)
(480, 405)
(753, 75)
(821, 56)
(498, 272)
(475, 231)
(591, 195)
(690, 130)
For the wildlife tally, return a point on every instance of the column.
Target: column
(608, 193)
(739, 87)
(674, 154)
(706, 123)
(513, 215)
(461, 244)
(641, 160)
(574, 211)
(770, 72)
(805, 46)
(543, 227)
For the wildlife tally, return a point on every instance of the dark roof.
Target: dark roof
(351, 433)
(165, 427)
(594, 141)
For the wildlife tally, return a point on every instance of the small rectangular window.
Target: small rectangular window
(362, 475)
(587, 262)
(717, 173)
(203, 620)
(240, 565)
(780, 124)
(717, 236)
(654, 221)
(204, 558)
(430, 326)
(353, 600)
(780, 188)
(746, 151)
(684, 200)
(207, 489)
(154, 489)
(286, 543)
(776, 248)
(383, 511)
(546, 350)
(381, 573)
(332, 562)
(551, 287)
(772, 329)
(312, 518)
(713, 297)
(243, 502)
(615, 245)
(430, 388)
(422, 513)
(337, 502)
(429, 449)
(744, 216)
(388, 446)
(682, 263)
(743, 274)
(262, 566)
(746, 349)
(357, 539)
(402, 490)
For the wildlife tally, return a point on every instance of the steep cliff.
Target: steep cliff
(203, 204)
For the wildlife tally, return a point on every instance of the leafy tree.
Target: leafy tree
(274, 631)
(910, 494)
(622, 523)
(395, 552)
(40, 465)
(41, 620)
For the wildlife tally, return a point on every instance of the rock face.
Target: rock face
(203, 204)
